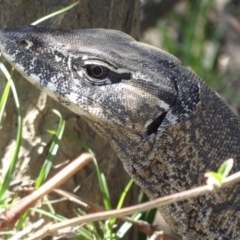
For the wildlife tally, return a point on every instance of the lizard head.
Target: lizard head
(103, 75)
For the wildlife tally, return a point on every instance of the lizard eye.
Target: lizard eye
(97, 71)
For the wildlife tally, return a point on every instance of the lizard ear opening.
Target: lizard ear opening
(155, 124)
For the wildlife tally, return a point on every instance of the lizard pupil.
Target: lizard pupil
(96, 71)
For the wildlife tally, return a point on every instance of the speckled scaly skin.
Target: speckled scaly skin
(166, 125)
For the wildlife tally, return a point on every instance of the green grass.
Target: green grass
(4, 185)
(196, 41)
(107, 227)
(52, 150)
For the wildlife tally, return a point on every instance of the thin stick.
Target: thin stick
(9, 218)
(192, 193)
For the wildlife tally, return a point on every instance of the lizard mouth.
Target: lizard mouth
(155, 124)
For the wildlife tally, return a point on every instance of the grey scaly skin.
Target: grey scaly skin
(165, 124)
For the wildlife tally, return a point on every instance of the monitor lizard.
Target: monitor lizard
(166, 125)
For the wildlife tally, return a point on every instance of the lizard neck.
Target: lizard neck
(191, 143)
(181, 154)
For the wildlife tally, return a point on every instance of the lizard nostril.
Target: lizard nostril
(23, 43)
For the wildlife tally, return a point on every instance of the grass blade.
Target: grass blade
(124, 194)
(52, 151)
(4, 99)
(55, 13)
(126, 226)
(101, 177)
(13, 161)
